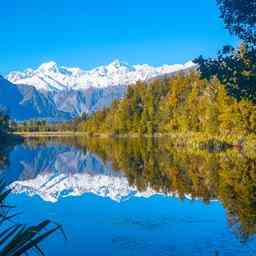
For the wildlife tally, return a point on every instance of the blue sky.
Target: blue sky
(89, 33)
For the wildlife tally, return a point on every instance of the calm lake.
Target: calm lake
(135, 197)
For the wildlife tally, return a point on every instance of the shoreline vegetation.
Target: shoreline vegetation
(192, 140)
(188, 110)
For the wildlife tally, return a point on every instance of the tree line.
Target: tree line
(37, 125)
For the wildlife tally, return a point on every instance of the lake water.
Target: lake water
(123, 198)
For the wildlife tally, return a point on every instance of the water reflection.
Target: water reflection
(121, 169)
(229, 176)
(57, 170)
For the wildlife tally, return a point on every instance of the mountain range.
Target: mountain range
(56, 92)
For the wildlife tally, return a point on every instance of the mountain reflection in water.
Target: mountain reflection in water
(123, 169)
(53, 171)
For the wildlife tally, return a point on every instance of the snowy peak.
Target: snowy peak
(120, 65)
(51, 77)
(49, 67)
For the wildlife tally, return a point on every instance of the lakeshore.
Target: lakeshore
(49, 134)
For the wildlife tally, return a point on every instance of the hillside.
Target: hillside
(183, 103)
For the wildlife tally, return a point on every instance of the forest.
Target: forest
(184, 103)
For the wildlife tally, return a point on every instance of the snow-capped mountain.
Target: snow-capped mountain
(51, 77)
(60, 93)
